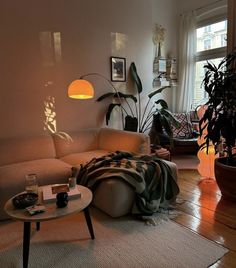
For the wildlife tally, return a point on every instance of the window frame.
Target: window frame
(214, 52)
(209, 54)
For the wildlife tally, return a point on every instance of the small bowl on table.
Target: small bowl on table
(25, 200)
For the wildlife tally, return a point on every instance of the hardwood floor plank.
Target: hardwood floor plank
(208, 215)
(222, 206)
(214, 232)
(227, 261)
(204, 211)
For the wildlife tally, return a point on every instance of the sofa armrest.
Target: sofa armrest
(118, 140)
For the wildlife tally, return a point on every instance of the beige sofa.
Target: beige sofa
(52, 156)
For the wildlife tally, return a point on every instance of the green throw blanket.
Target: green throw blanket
(150, 177)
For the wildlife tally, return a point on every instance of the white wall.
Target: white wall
(85, 27)
(166, 13)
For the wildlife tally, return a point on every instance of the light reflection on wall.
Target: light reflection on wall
(50, 47)
(119, 44)
(50, 122)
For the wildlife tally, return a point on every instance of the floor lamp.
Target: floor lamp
(80, 89)
(205, 156)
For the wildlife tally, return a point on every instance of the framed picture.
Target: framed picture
(118, 69)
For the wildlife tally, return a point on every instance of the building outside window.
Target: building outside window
(207, 28)
(207, 44)
(211, 46)
(223, 40)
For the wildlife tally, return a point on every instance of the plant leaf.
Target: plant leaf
(109, 110)
(167, 126)
(163, 103)
(159, 90)
(135, 77)
(106, 95)
(173, 121)
(125, 96)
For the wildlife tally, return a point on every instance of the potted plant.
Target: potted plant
(133, 118)
(219, 120)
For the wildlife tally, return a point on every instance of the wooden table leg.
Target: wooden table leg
(37, 225)
(89, 222)
(26, 243)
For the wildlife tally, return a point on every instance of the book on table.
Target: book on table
(50, 192)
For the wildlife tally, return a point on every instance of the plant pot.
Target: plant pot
(226, 178)
(131, 123)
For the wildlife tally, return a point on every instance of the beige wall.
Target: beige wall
(27, 84)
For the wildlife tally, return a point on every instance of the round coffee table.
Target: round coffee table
(52, 212)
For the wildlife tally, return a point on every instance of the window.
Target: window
(223, 39)
(211, 45)
(207, 44)
(207, 28)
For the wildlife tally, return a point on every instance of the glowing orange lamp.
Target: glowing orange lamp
(206, 157)
(80, 89)
(207, 160)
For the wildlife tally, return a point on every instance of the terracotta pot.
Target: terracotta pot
(226, 178)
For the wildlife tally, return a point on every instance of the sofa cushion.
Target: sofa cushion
(186, 129)
(48, 171)
(81, 158)
(120, 140)
(75, 142)
(15, 150)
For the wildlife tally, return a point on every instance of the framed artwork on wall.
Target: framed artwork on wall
(118, 69)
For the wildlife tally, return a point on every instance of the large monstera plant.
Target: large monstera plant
(220, 116)
(219, 121)
(136, 119)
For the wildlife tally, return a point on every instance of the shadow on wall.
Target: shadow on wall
(50, 122)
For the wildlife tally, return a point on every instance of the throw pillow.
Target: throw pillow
(186, 130)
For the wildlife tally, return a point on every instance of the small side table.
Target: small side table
(52, 212)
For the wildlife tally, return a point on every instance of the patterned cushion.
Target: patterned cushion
(186, 129)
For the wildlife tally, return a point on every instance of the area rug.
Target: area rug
(123, 242)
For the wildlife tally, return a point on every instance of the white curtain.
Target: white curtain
(187, 50)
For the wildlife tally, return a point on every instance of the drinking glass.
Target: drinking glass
(31, 184)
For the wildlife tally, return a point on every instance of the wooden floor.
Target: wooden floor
(205, 212)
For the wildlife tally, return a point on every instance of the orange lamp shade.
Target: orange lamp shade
(80, 89)
(207, 160)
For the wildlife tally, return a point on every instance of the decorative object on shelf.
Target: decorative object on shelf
(219, 120)
(171, 69)
(24, 200)
(62, 199)
(159, 63)
(158, 38)
(118, 69)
